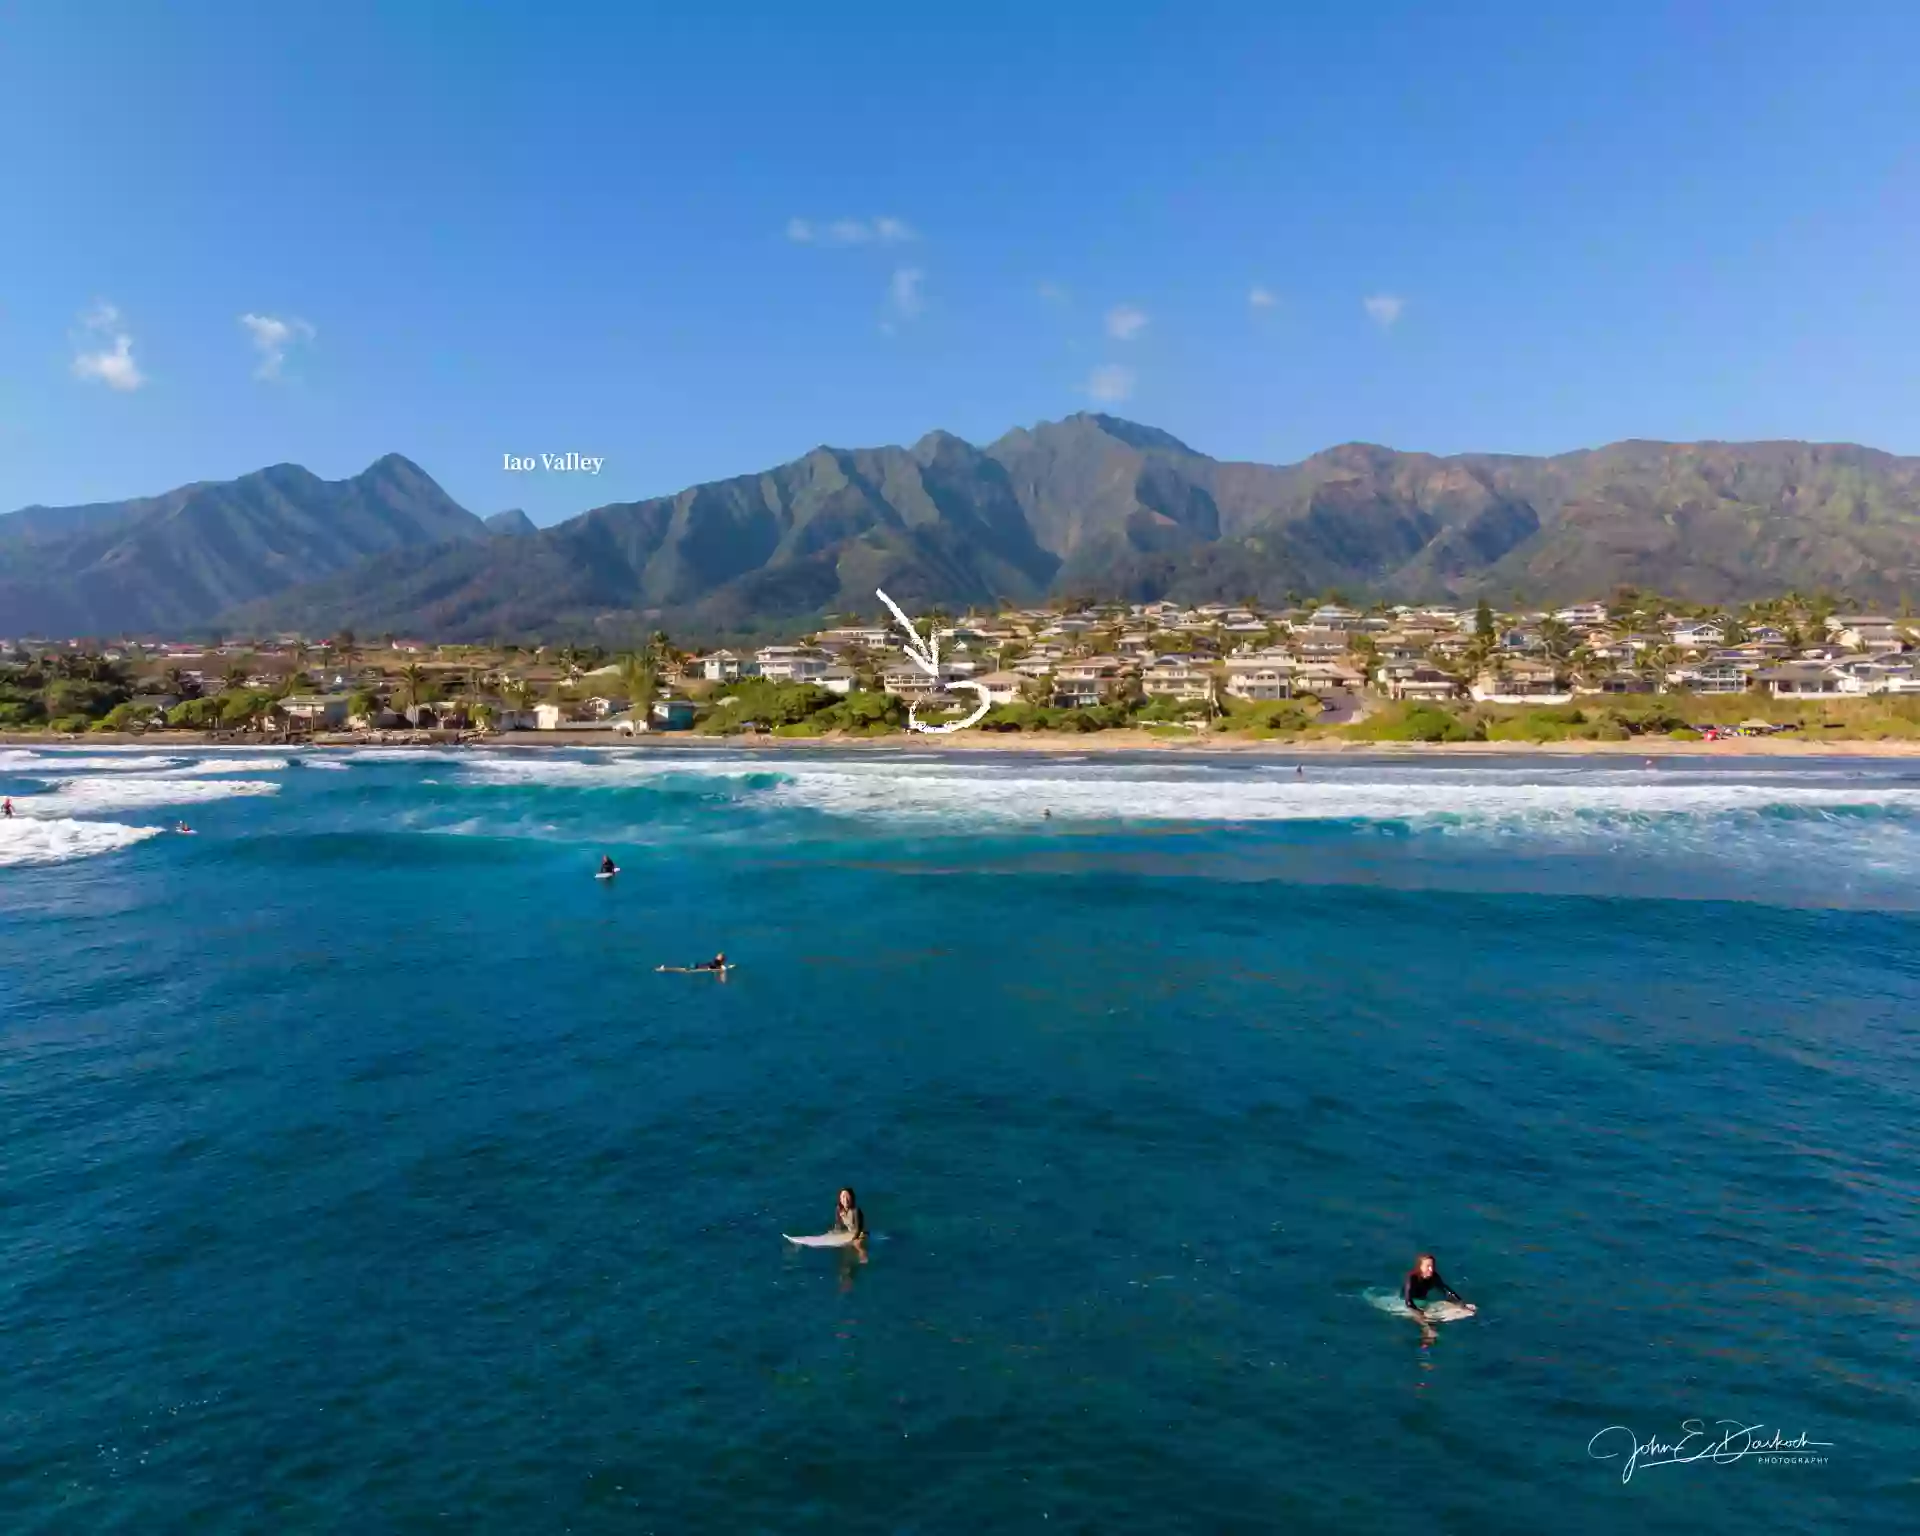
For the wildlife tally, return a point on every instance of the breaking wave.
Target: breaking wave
(58, 840)
(93, 796)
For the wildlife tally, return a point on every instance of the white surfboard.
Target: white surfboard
(607, 874)
(823, 1240)
(1432, 1312)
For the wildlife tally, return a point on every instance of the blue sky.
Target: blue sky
(1266, 228)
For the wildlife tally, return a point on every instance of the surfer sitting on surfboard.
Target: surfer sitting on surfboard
(607, 866)
(848, 1218)
(1423, 1279)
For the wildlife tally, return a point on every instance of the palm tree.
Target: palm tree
(638, 677)
(235, 677)
(413, 683)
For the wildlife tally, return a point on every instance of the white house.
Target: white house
(1260, 678)
(1522, 682)
(1001, 687)
(791, 663)
(1864, 631)
(1705, 635)
(719, 667)
(317, 711)
(1423, 682)
(1712, 677)
(1799, 679)
(1177, 677)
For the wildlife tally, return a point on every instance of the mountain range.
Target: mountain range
(1090, 506)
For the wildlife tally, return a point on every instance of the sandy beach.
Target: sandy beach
(1063, 743)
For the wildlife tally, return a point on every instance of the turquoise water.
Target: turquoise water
(359, 1172)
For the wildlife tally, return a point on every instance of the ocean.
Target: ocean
(360, 1173)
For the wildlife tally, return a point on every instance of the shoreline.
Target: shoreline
(1029, 743)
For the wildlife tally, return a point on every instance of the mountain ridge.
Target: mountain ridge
(1089, 506)
(175, 561)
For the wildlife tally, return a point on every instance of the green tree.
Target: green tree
(1483, 621)
(637, 676)
(413, 684)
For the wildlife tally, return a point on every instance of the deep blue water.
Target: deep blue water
(359, 1173)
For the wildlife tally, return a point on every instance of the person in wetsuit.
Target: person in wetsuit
(848, 1218)
(717, 963)
(1422, 1280)
(9, 808)
(607, 866)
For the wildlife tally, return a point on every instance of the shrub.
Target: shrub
(1417, 722)
(1684, 733)
(70, 724)
(1270, 715)
(195, 714)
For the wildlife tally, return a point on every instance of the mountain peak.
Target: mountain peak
(513, 523)
(1132, 433)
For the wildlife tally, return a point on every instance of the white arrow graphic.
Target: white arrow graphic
(925, 655)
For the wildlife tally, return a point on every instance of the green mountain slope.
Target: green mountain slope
(1089, 506)
(174, 562)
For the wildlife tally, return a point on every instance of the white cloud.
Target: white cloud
(1260, 298)
(111, 364)
(271, 337)
(903, 293)
(1124, 322)
(1383, 309)
(884, 230)
(1111, 382)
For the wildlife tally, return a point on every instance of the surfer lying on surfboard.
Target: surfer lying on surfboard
(718, 965)
(1421, 1281)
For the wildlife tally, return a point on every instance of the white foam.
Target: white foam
(53, 762)
(316, 762)
(57, 840)
(88, 797)
(199, 765)
(1021, 797)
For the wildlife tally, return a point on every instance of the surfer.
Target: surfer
(182, 827)
(848, 1218)
(9, 807)
(1423, 1279)
(607, 866)
(717, 963)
